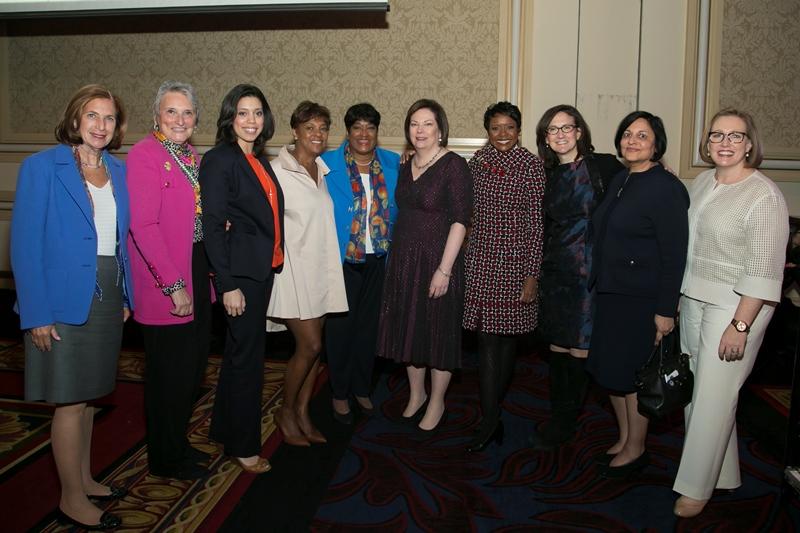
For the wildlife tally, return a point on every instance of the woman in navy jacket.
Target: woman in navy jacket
(238, 186)
(641, 234)
(72, 275)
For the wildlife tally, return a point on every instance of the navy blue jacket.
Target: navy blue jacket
(231, 192)
(641, 232)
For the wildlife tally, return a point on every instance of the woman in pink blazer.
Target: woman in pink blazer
(170, 278)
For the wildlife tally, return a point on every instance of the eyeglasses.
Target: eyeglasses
(734, 137)
(566, 128)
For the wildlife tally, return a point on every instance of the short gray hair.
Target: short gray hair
(175, 87)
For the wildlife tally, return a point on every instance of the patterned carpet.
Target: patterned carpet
(392, 479)
(27, 474)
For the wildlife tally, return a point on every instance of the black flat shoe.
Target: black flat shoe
(414, 419)
(343, 418)
(197, 456)
(603, 459)
(117, 493)
(366, 411)
(482, 440)
(107, 521)
(626, 470)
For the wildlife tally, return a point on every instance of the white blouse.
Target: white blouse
(105, 218)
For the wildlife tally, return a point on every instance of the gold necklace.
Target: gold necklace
(429, 162)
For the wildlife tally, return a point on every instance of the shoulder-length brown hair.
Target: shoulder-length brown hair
(756, 155)
(68, 129)
(438, 113)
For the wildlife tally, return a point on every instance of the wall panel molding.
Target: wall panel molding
(706, 67)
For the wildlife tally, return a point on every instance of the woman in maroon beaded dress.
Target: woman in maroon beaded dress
(503, 258)
(422, 307)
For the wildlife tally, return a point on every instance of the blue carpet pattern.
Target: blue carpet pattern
(393, 479)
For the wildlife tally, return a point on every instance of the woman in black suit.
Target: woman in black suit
(641, 234)
(239, 187)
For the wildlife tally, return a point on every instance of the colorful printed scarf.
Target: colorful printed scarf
(187, 162)
(378, 226)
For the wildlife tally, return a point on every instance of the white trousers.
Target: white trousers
(710, 457)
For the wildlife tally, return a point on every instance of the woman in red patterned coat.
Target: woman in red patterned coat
(503, 258)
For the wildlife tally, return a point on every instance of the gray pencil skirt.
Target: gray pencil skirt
(83, 364)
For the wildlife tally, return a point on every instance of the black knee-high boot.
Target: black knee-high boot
(508, 359)
(568, 383)
(491, 382)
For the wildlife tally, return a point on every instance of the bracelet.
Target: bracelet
(443, 272)
(175, 287)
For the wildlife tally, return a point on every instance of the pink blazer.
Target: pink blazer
(162, 226)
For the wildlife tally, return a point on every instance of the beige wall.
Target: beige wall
(442, 49)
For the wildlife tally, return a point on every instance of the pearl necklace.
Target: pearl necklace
(429, 162)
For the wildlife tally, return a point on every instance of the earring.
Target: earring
(547, 145)
(747, 155)
(708, 153)
(155, 126)
(440, 139)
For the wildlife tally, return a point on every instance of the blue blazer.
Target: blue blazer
(54, 242)
(338, 182)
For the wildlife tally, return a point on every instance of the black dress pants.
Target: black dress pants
(236, 419)
(350, 337)
(176, 357)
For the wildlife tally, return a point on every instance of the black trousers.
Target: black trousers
(350, 337)
(176, 357)
(236, 419)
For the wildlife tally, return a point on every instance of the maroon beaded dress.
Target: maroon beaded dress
(414, 328)
(505, 244)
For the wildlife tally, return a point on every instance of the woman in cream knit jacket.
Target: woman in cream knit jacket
(738, 230)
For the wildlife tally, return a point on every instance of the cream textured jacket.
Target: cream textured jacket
(737, 240)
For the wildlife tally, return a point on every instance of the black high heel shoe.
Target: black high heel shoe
(435, 429)
(483, 439)
(107, 522)
(626, 470)
(414, 419)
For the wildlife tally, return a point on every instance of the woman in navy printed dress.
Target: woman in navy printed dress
(577, 178)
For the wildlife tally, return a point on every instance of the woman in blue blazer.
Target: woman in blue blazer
(361, 182)
(71, 270)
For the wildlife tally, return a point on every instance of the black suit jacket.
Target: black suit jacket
(231, 191)
(641, 234)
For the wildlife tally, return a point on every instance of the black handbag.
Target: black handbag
(665, 382)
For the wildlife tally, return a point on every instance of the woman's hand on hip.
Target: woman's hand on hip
(530, 288)
(439, 284)
(43, 336)
(182, 302)
(731, 345)
(234, 302)
(664, 325)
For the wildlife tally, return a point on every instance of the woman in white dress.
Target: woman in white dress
(311, 284)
